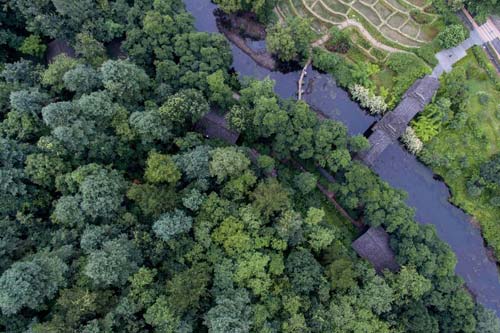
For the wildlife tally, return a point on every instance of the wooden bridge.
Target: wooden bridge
(393, 125)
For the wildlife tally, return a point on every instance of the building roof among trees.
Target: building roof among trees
(114, 49)
(214, 125)
(57, 47)
(373, 246)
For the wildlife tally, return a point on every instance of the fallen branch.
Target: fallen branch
(302, 76)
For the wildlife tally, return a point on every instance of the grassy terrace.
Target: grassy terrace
(377, 29)
(402, 24)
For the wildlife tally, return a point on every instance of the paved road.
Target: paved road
(478, 36)
(447, 58)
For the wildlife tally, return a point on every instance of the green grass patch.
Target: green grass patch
(378, 54)
(385, 78)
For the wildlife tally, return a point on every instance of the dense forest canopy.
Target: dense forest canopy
(117, 217)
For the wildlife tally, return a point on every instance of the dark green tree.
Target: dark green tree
(32, 282)
(172, 224)
(113, 263)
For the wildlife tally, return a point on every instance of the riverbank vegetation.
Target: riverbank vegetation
(116, 216)
(461, 135)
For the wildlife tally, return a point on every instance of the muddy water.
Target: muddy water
(428, 196)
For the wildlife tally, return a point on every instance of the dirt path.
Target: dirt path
(321, 41)
(280, 15)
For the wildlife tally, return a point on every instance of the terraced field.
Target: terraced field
(394, 24)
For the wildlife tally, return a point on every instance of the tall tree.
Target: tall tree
(32, 282)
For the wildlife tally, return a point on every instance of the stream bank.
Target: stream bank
(238, 29)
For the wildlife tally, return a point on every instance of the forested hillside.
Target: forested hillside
(116, 216)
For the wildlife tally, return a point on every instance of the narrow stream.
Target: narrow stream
(428, 196)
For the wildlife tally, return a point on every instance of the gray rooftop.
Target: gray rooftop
(390, 128)
(58, 47)
(373, 246)
(413, 101)
(213, 125)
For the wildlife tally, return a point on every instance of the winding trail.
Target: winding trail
(367, 35)
(359, 27)
(321, 41)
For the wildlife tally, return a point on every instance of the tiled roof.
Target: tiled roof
(373, 246)
(214, 125)
(57, 47)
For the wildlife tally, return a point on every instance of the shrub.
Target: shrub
(33, 45)
(335, 65)
(475, 72)
(169, 225)
(375, 104)
(426, 127)
(266, 163)
(485, 64)
(290, 41)
(305, 182)
(420, 17)
(428, 53)
(325, 61)
(473, 190)
(483, 97)
(451, 36)
(380, 55)
(411, 141)
(408, 68)
(495, 201)
(339, 41)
